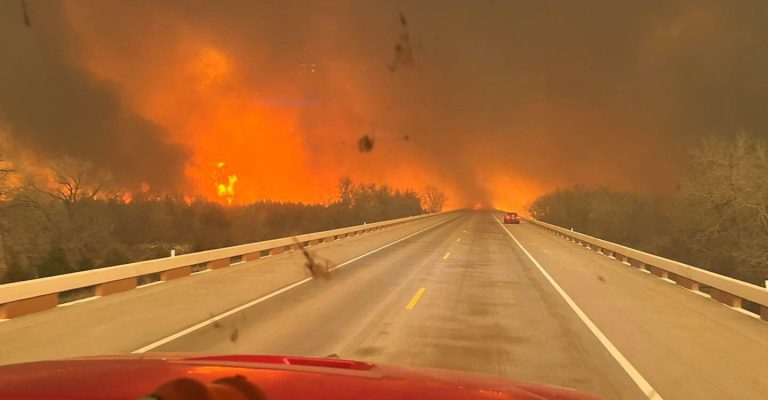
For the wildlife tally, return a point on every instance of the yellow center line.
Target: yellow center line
(445, 257)
(415, 299)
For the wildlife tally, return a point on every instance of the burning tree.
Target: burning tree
(434, 199)
(64, 200)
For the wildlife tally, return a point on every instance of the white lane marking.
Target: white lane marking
(235, 310)
(633, 373)
(216, 318)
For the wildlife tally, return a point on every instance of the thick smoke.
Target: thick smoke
(499, 100)
(53, 105)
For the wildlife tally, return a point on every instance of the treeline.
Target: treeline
(717, 219)
(75, 224)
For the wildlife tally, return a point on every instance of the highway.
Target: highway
(456, 291)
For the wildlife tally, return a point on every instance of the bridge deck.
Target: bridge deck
(485, 307)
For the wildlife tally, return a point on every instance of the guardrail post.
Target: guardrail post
(216, 264)
(276, 250)
(175, 273)
(122, 285)
(28, 306)
(725, 298)
(638, 264)
(687, 283)
(661, 273)
(764, 313)
(252, 256)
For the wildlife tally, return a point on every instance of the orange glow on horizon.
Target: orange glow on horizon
(512, 193)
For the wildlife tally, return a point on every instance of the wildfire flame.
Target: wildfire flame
(226, 190)
(201, 87)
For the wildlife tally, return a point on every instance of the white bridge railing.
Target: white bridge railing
(726, 290)
(20, 298)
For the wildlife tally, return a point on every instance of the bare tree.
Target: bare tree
(434, 199)
(68, 195)
(346, 190)
(5, 170)
(723, 202)
(73, 181)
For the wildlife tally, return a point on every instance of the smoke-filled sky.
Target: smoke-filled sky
(493, 101)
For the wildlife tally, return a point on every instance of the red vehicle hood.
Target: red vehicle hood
(280, 377)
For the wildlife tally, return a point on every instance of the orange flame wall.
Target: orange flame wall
(260, 129)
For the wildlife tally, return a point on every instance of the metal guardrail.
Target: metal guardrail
(726, 290)
(20, 298)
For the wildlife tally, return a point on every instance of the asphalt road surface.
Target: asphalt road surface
(457, 291)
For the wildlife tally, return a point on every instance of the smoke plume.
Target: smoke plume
(494, 101)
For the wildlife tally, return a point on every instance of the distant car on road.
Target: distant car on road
(511, 218)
